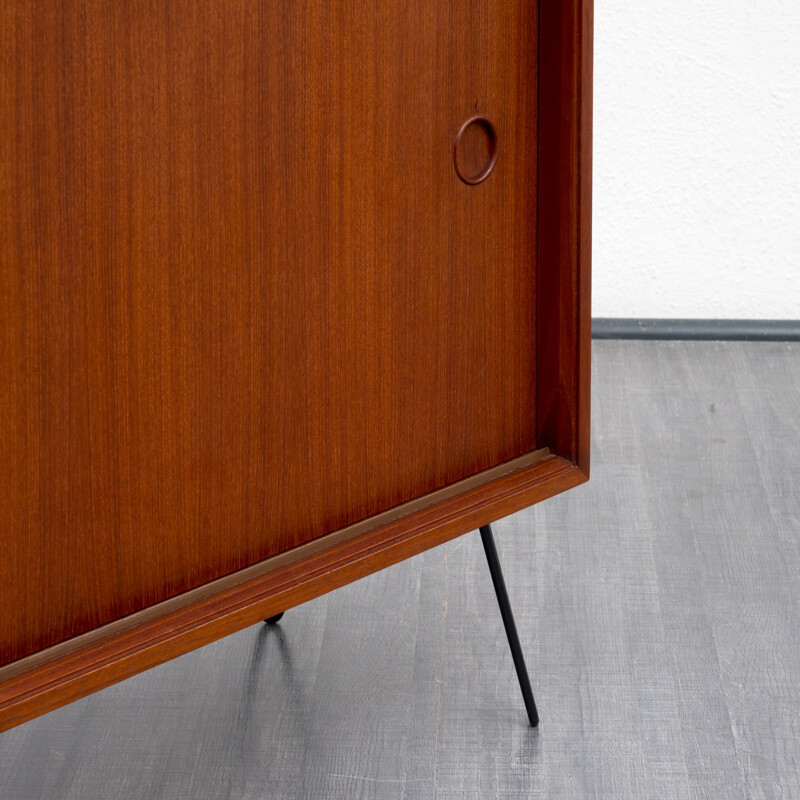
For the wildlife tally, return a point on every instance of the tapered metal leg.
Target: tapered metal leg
(508, 621)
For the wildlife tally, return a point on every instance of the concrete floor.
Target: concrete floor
(659, 608)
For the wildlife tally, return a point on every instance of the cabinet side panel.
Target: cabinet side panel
(565, 220)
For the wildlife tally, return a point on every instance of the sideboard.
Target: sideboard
(289, 292)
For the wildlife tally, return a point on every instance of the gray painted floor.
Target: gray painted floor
(659, 607)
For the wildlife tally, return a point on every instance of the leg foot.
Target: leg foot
(273, 620)
(508, 621)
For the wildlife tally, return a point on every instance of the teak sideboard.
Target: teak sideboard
(289, 292)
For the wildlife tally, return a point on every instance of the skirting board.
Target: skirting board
(749, 330)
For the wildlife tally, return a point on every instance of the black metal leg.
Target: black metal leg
(508, 621)
(273, 620)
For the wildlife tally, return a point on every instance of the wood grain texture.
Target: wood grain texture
(249, 303)
(245, 299)
(658, 608)
(565, 227)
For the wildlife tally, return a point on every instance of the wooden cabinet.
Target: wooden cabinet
(288, 292)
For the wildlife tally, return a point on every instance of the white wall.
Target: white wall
(697, 159)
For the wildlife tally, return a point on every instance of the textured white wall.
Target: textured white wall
(697, 159)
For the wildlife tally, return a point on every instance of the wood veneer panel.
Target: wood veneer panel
(244, 298)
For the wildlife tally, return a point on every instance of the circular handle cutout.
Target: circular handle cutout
(475, 150)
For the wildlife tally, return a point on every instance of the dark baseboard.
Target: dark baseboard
(748, 330)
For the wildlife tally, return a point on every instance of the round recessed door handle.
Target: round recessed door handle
(475, 150)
